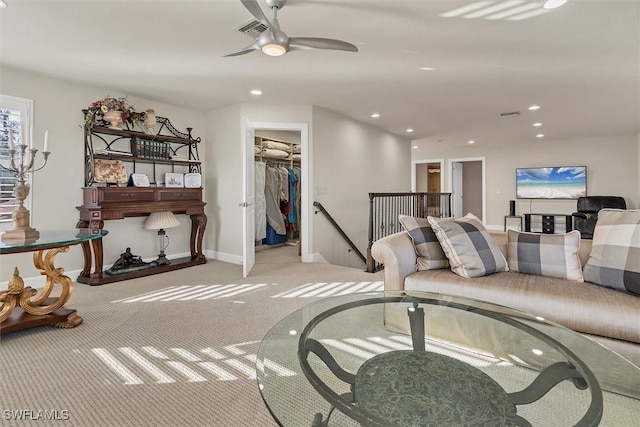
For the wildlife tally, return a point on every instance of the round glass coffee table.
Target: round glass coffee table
(438, 361)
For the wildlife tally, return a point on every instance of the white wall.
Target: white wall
(224, 174)
(223, 185)
(350, 160)
(612, 163)
(57, 188)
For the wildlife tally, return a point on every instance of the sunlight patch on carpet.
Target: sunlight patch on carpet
(193, 293)
(324, 289)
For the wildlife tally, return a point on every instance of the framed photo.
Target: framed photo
(192, 180)
(173, 179)
(139, 180)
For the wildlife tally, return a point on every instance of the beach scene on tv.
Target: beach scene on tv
(551, 183)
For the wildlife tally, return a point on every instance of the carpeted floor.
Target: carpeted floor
(174, 349)
(178, 349)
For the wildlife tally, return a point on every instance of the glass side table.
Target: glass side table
(25, 307)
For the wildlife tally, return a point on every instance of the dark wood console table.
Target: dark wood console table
(548, 222)
(108, 203)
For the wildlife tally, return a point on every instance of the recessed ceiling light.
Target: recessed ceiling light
(472, 142)
(409, 130)
(537, 124)
(426, 68)
(375, 115)
(415, 146)
(256, 92)
(2, 4)
(552, 4)
(540, 135)
(534, 107)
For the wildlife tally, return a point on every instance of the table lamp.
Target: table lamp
(159, 221)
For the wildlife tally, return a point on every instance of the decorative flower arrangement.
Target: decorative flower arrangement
(99, 108)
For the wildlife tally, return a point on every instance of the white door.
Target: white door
(456, 186)
(248, 201)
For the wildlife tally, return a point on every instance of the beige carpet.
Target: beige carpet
(178, 349)
(174, 349)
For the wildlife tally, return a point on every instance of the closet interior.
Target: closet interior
(277, 189)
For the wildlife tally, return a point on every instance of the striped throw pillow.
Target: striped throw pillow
(468, 246)
(615, 252)
(551, 255)
(425, 243)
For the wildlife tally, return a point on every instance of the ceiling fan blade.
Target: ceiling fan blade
(320, 43)
(244, 51)
(255, 9)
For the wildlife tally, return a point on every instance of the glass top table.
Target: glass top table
(51, 239)
(22, 307)
(446, 361)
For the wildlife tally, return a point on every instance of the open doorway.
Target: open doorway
(427, 176)
(278, 175)
(467, 181)
(295, 134)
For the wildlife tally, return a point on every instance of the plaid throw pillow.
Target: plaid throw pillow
(468, 246)
(425, 243)
(551, 255)
(615, 253)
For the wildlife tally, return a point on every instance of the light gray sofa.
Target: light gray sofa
(605, 315)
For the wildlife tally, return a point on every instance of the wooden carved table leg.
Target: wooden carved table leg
(198, 224)
(86, 251)
(97, 257)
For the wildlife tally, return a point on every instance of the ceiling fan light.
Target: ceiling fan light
(273, 49)
(552, 4)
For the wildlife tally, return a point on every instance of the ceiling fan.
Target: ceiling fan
(275, 42)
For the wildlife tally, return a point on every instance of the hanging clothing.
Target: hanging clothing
(261, 201)
(272, 194)
(298, 195)
(284, 184)
(293, 214)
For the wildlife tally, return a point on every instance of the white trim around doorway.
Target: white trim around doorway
(307, 184)
(484, 179)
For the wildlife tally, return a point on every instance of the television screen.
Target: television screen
(567, 182)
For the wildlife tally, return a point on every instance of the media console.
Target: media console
(548, 221)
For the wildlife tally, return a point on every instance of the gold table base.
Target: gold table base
(24, 307)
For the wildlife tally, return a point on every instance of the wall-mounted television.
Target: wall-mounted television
(561, 182)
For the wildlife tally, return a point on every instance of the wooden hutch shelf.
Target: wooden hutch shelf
(101, 203)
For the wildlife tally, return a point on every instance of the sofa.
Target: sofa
(608, 316)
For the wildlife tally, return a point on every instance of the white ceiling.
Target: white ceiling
(579, 62)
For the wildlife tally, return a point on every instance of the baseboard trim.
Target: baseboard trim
(224, 257)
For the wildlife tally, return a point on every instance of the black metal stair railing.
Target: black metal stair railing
(384, 209)
(340, 230)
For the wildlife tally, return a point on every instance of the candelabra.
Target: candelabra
(21, 165)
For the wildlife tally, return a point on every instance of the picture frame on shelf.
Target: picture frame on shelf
(175, 180)
(109, 171)
(192, 180)
(139, 180)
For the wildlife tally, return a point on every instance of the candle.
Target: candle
(46, 140)
(31, 137)
(10, 138)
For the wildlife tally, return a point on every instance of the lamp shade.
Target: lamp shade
(158, 220)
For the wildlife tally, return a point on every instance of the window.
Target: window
(16, 118)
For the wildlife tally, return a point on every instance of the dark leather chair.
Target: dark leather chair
(584, 220)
